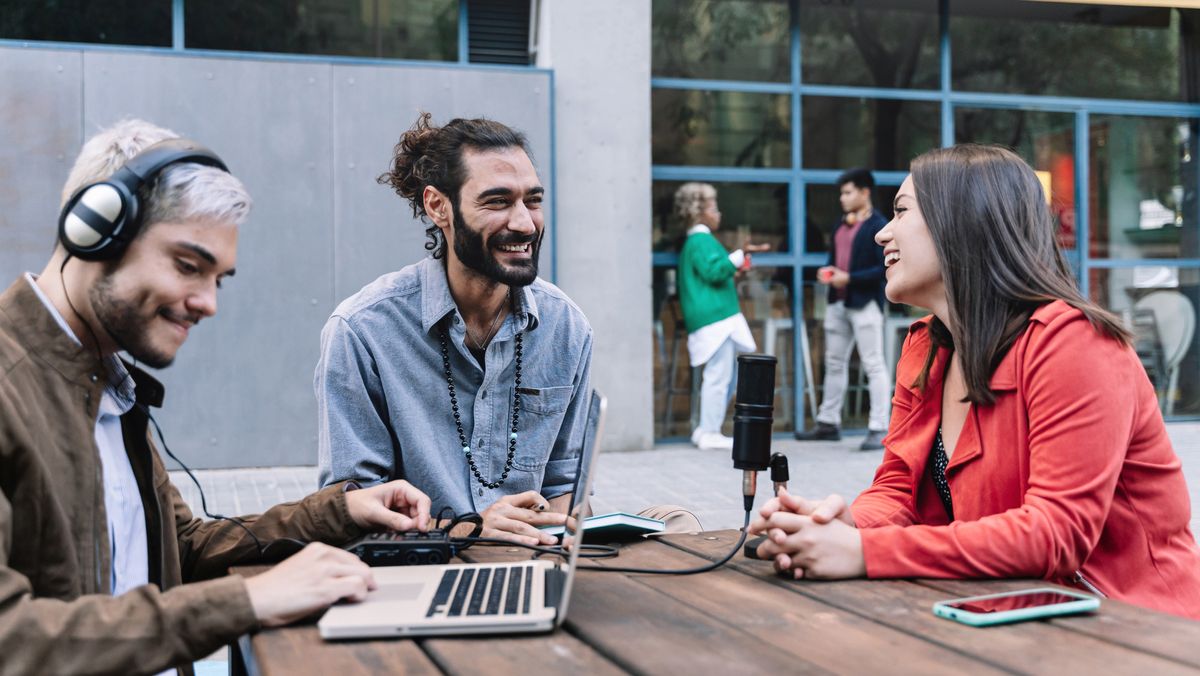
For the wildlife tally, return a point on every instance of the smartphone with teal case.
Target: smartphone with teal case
(1015, 606)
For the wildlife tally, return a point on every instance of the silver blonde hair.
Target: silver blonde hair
(690, 199)
(183, 192)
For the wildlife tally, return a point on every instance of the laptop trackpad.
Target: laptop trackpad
(398, 591)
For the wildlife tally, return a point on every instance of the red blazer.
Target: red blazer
(1069, 476)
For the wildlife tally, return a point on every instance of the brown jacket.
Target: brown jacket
(56, 612)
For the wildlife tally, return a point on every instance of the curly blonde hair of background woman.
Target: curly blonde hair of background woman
(690, 199)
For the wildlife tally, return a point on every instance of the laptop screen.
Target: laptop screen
(597, 407)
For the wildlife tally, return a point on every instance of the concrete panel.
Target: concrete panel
(603, 173)
(240, 392)
(373, 105)
(39, 137)
(308, 139)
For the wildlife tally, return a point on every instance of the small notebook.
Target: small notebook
(614, 526)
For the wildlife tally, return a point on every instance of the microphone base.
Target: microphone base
(750, 550)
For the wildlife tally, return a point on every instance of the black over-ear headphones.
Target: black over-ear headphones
(101, 218)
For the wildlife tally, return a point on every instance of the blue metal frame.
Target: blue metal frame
(464, 34)
(798, 177)
(177, 34)
(1082, 211)
(179, 48)
(553, 181)
(956, 99)
(267, 56)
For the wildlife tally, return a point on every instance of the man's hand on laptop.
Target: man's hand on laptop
(517, 517)
(313, 579)
(396, 505)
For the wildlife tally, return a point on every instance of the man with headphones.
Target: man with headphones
(103, 567)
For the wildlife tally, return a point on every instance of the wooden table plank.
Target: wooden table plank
(1033, 647)
(650, 632)
(559, 652)
(810, 630)
(299, 649)
(646, 631)
(1125, 624)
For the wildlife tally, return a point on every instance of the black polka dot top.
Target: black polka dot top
(938, 469)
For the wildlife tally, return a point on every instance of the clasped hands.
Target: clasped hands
(810, 539)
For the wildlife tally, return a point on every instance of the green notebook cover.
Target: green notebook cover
(614, 526)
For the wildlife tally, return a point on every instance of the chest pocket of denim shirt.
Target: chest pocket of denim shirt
(542, 411)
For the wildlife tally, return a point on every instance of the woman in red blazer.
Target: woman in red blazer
(1026, 439)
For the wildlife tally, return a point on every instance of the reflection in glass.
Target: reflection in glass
(1143, 187)
(1159, 304)
(713, 128)
(1069, 49)
(112, 22)
(766, 300)
(395, 29)
(755, 212)
(870, 43)
(1045, 140)
(871, 133)
(720, 39)
(825, 212)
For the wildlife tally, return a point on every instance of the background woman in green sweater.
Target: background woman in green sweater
(717, 330)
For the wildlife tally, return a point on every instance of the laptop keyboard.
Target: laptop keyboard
(499, 590)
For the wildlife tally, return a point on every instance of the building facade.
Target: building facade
(623, 100)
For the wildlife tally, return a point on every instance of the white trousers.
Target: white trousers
(843, 329)
(717, 386)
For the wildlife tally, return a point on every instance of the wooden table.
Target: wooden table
(743, 619)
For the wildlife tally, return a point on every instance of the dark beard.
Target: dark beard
(120, 319)
(474, 253)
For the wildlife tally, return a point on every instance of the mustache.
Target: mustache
(191, 319)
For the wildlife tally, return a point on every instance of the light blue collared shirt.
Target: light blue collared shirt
(122, 501)
(384, 406)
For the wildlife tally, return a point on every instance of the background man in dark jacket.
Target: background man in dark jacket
(103, 568)
(854, 315)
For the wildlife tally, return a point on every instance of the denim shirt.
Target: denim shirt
(384, 407)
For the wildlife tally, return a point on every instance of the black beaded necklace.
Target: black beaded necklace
(516, 409)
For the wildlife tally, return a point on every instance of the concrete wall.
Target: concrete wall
(308, 139)
(600, 54)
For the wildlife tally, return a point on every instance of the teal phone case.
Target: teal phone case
(1085, 603)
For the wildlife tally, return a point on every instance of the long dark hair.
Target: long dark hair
(999, 257)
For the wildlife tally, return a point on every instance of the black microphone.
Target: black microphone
(779, 472)
(754, 411)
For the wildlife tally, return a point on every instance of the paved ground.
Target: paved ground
(703, 481)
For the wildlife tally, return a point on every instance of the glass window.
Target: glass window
(766, 301)
(1159, 305)
(871, 133)
(757, 212)
(870, 43)
(825, 212)
(720, 39)
(734, 129)
(1045, 140)
(113, 22)
(1142, 192)
(1069, 49)
(397, 29)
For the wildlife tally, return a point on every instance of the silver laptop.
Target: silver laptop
(473, 598)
